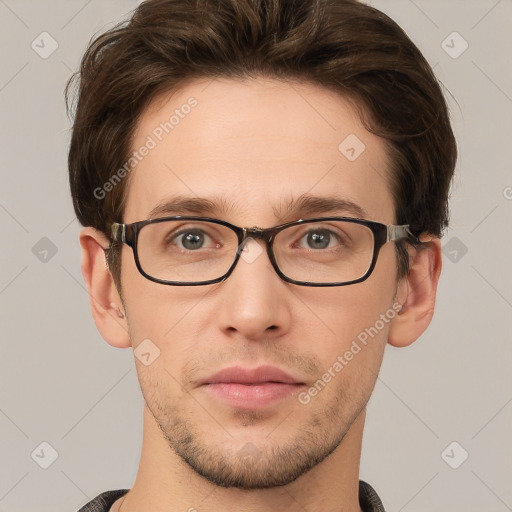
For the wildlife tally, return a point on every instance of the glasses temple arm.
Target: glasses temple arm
(398, 232)
(118, 232)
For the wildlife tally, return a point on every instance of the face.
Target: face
(251, 148)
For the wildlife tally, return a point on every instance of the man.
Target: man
(262, 185)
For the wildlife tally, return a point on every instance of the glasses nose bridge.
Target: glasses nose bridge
(258, 233)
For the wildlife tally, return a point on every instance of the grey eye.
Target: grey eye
(192, 239)
(319, 239)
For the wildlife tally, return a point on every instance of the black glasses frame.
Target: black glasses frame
(382, 233)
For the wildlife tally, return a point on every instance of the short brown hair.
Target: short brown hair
(342, 45)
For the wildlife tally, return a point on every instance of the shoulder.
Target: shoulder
(369, 500)
(103, 501)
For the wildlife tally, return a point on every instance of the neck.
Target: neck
(165, 482)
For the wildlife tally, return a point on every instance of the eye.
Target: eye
(191, 239)
(322, 238)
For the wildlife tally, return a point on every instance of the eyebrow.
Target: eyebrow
(304, 205)
(179, 205)
(309, 205)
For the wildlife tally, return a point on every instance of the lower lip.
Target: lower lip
(254, 396)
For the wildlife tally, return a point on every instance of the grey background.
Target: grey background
(62, 384)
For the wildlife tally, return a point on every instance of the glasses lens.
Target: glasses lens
(324, 252)
(186, 251)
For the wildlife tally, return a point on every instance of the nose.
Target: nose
(254, 300)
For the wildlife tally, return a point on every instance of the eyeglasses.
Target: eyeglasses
(190, 251)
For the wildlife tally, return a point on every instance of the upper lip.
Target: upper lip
(259, 375)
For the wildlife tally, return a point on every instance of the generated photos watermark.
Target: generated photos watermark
(343, 360)
(152, 140)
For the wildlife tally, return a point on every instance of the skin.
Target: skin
(257, 144)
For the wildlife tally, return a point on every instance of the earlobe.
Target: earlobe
(106, 305)
(417, 294)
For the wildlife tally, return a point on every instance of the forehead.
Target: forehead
(252, 148)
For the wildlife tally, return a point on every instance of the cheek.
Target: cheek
(163, 322)
(341, 315)
(350, 363)
(157, 311)
(160, 389)
(355, 322)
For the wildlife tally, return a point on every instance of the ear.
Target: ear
(106, 305)
(417, 294)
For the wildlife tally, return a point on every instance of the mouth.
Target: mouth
(251, 388)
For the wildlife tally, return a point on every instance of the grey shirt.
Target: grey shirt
(368, 500)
